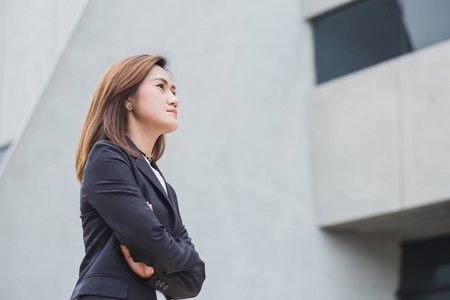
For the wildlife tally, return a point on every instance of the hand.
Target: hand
(139, 268)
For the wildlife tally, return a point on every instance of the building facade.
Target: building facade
(292, 186)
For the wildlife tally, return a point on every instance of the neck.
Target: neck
(142, 135)
(143, 141)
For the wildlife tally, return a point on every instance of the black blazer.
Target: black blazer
(114, 191)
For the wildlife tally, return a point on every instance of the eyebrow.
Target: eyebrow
(165, 81)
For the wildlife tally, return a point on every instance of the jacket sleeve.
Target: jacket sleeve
(109, 186)
(180, 285)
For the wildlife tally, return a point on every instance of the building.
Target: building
(306, 181)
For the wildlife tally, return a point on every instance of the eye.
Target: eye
(161, 86)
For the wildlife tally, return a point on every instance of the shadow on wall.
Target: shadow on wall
(372, 263)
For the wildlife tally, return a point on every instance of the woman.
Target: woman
(136, 244)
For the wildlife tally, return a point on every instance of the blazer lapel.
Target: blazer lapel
(143, 166)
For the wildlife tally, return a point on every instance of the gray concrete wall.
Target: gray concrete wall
(240, 161)
(33, 33)
(314, 8)
(355, 140)
(423, 96)
(380, 139)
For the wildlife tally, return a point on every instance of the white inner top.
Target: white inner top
(159, 295)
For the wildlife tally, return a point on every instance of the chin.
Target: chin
(172, 128)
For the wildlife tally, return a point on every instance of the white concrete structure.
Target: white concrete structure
(33, 35)
(313, 8)
(263, 157)
(383, 132)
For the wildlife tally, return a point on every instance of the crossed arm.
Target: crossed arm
(151, 251)
(185, 284)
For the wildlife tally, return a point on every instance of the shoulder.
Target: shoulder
(108, 161)
(106, 151)
(108, 148)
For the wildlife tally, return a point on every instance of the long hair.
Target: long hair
(106, 117)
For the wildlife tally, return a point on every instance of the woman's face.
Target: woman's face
(155, 104)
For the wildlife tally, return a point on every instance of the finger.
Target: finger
(148, 271)
(149, 205)
(125, 251)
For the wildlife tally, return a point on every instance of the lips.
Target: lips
(173, 111)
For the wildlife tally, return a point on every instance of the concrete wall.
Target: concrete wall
(240, 161)
(380, 138)
(314, 8)
(32, 35)
(423, 92)
(356, 144)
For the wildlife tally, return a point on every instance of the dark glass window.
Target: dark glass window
(425, 271)
(367, 32)
(427, 21)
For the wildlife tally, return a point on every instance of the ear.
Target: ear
(129, 104)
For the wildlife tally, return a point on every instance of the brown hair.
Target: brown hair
(106, 117)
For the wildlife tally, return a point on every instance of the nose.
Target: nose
(173, 100)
